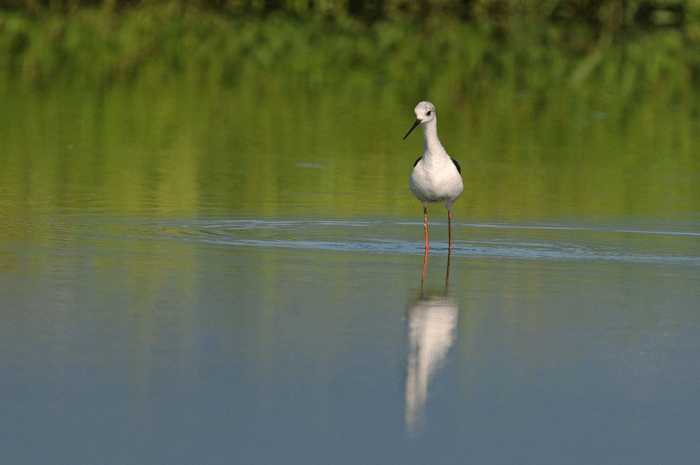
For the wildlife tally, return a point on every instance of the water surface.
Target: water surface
(177, 292)
(203, 339)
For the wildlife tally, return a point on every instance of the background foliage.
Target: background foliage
(470, 47)
(553, 108)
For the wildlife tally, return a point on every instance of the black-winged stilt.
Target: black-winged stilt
(436, 177)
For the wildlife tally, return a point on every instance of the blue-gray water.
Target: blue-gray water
(211, 339)
(235, 277)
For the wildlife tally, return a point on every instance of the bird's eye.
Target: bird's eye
(428, 113)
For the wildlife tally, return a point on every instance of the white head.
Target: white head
(425, 113)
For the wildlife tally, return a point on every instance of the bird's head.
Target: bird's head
(425, 113)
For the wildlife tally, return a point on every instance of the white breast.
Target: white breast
(436, 181)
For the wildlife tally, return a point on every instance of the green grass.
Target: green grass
(95, 48)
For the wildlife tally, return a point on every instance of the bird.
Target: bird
(436, 177)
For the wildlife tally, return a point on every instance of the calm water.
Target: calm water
(167, 307)
(207, 340)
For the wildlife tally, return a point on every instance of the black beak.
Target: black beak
(412, 128)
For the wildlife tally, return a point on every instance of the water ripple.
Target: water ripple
(530, 242)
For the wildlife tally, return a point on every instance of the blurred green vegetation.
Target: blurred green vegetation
(469, 48)
(554, 109)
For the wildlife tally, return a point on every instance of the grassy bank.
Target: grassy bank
(95, 48)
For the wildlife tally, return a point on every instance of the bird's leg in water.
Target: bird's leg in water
(425, 220)
(447, 275)
(449, 228)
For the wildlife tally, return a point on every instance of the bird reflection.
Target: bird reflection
(432, 325)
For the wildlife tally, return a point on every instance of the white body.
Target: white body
(435, 178)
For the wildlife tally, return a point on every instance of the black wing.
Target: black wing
(414, 165)
(459, 169)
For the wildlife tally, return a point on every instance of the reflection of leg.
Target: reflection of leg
(425, 265)
(425, 220)
(447, 275)
(449, 228)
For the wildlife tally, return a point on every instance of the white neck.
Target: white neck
(431, 144)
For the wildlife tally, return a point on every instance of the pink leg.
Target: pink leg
(425, 219)
(425, 260)
(449, 228)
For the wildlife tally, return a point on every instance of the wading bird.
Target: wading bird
(436, 177)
